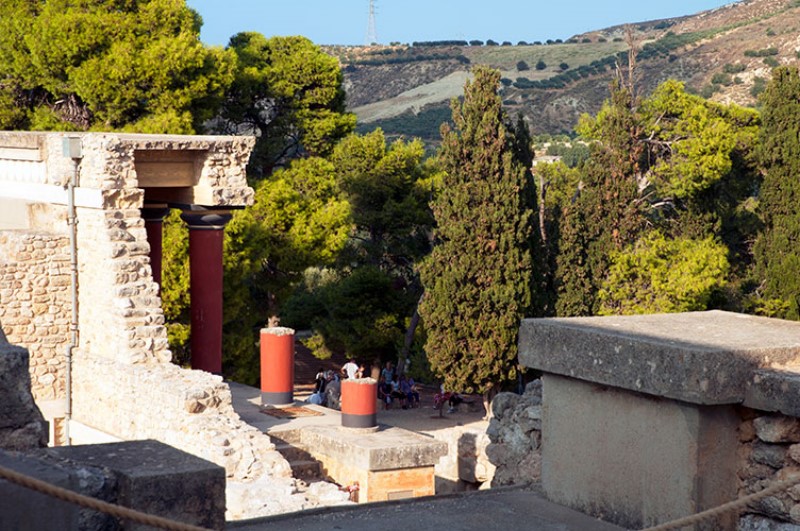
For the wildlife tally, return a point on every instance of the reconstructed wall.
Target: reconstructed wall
(34, 304)
(123, 381)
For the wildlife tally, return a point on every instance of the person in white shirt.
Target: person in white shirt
(350, 369)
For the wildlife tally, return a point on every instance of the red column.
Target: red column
(277, 366)
(153, 224)
(359, 408)
(205, 286)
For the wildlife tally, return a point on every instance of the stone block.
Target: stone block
(22, 508)
(697, 357)
(157, 479)
(22, 425)
(633, 459)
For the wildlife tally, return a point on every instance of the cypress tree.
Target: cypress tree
(477, 278)
(607, 213)
(776, 251)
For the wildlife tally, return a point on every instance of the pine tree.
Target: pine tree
(777, 254)
(477, 278)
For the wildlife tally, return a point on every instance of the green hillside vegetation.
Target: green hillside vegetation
(506, 57)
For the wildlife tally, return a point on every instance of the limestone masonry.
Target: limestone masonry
(123, 384)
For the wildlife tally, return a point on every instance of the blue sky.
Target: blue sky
(346, 21)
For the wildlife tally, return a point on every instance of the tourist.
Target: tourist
(384, 393)
(397, 393)
(350, 369)
(409, 388)
(388, 372)
(333, 391)
(320, 381)
(454, 400)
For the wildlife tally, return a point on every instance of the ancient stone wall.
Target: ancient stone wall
(34, 304)
(515, 432)
(123, 381)
(770, 452)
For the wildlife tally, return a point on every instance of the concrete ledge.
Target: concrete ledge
(775, 390)
(697, 357)
(158, 479)
(387, 449)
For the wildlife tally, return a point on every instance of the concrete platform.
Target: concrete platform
(475, 511)
(386, 464)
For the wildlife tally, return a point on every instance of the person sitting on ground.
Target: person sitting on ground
(318, 396)
(319, 381)
(333, 391)
(384, 393)
(409, 388)
(397, 393)
(454, 400)
(350, 369)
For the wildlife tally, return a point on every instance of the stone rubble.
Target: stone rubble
(515, 432)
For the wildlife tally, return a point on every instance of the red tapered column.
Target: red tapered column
(205, 286)
(359, 409)
(153, 224)
(277, 366)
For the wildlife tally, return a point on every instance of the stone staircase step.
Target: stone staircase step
(292, 452)
(306, 469)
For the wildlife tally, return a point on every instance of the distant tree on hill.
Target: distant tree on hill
(522, 66)
(490, 42)
(541, 65)
(476, 42)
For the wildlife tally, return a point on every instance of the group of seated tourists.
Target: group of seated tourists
(392, 389)
(402, 390)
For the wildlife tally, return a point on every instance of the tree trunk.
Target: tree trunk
(488, 396)
(409, 339)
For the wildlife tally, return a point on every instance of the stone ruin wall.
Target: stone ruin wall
(769, 452)
(34, 304)
(515, 435)
(122, 379)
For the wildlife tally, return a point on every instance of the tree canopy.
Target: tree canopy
(136, 66)
(288, 93)
(777, 255)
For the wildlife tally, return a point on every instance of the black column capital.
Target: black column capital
(206, 219)
(154, 213)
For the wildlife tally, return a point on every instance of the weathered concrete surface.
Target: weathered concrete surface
(387, 449)
(633, 459)
(698, 357)
(22, 508)
(388, 464)
(476, 511)
(775, 390)
(157, 479)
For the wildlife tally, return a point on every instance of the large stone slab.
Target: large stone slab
(390, 448)
(697, 357)
(158, 479)
(634, 459)
(383, 465)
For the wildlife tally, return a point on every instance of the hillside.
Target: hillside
(725, 54)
